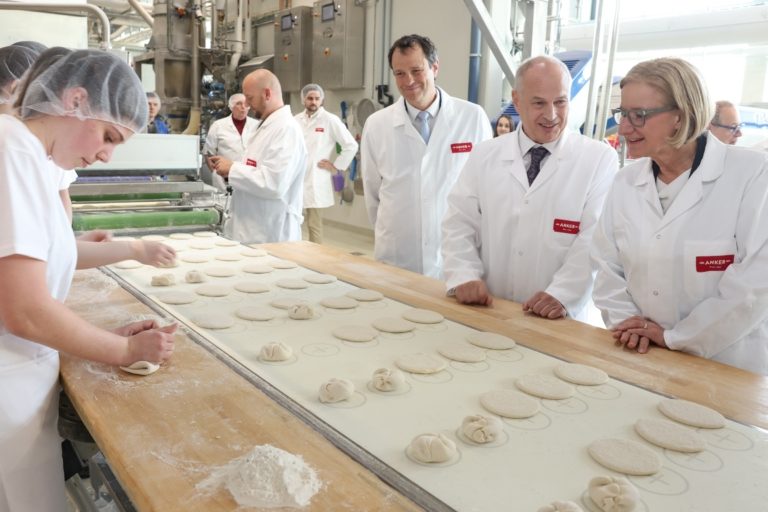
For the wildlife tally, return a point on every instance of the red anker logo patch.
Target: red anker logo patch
(566, 226)
(714, 263)
(461, 147)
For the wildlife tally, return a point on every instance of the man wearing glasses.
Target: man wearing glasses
(726, 125)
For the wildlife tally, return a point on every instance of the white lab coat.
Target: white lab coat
(267, 187)
(321, 133)
(523, 239)
(33, 223)
(223, 139)
(673, 267)
(406, 181)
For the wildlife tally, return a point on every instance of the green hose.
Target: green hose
(89, 221)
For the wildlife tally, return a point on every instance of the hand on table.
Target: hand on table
(473, 292)
(637, 333)
(545, 306)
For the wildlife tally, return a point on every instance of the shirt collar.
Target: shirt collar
(526, 143)
(433, 108)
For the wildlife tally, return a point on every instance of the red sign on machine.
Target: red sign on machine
(714, 263)
(461, 147)
(566, 226)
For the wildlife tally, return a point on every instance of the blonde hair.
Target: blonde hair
(682, 87)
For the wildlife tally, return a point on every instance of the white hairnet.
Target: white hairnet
(113, 91)
(14, 62)
(312, 87)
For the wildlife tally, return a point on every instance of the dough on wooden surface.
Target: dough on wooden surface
(251, 287)
(195, 276)
(462, 352)
(545, 386)
(275, 351)
(301, 312)
(356, 333)
(670, 435)
(365, 295)
(336, 390)
(163, 280)
(432, 448)
(211, 320)
(393, 324)
(387, 380)
(141, 368)
(423, 316)
(201, 245)
(691, 413)
(253, 253)
(180, 236)
(481, 429)
(320, 278)
(177, 297)
(220, 271)
(581, 374)
(260, 314)
(491, 340)
(342, 302)
(420, 363)
(128, 264)
(205, 234)
(292, 284)
(286, 303)
(213, 290)
(625, 456)
(195, 258)
(509, 403)
(229, 257)
(613, 494)
(226, 242)
(282, 264)
(561, 506)
(153, 238)
(256, 268)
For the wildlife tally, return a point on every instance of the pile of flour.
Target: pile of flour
(266, 477)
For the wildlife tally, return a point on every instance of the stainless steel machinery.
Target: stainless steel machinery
(293, 48)
(338, 44)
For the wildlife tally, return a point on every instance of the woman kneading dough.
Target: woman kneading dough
(74, 113)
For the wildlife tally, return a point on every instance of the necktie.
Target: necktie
(423, 118)
(537, 155)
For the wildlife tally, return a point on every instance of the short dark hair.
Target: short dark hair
(411, 42)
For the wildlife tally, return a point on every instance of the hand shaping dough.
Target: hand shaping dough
(339, 302)
(336, 390)
(691, 413)
(581, 374)
(275, 351)
(481, 429)
(356, 333)
(432, 448)
(545, 386)
(387, 380)
(163, 280)
(195, 276)
(393, 325)
(625, 456)
(320, 278)
(491, 340)
(462, 352)
(364, 295)
(172, 264)
(423, 316)
(561, 506)
(509, 403)
(420, 363)
(141, 368)
(670, 435)
(613, 494)
(301, 312)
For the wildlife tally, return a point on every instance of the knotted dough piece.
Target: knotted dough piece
(301, 312)
(613, 494)
(336, 390)
(163, 280)
(141, 368)
(194, 276)
(387, 380)
(275, 351)
(432, 448)
(481, 429)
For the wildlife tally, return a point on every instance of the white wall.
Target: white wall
(48, 29)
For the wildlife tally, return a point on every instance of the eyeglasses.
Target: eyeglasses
(637, 116)
(733, 128)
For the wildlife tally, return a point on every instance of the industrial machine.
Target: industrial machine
(293, 47)
(338, 44)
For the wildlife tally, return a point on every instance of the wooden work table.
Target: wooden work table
(163, 434)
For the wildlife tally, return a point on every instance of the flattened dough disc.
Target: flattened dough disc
(420, 363)
(393, 325)
(509, 403)
(491, 340)
(691, 413)
(625, 456)
(462, 352)
(356, 333)
(423, 316)
(364, 295)
(581, 374)
(670, 435)
(545, 386)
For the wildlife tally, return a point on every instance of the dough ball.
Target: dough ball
(172, 264)
(301, 312)
(194, 276)
(491, 340)
(509, 403)
(195, 258)
(581, 374)
(364, 295)
(387, 380)
(670, 435)
(625, 456)
(481, 429)
(141, 368)
(613, 494)
(180, 236)
(561, 506)
(275, 351)
(201, 246)
(163, 280)
(285, 303)
(342, 302)
(251, 287)
(432, 448)
(336, 390)
(255, 313)
(423, 316)
(355, 333)
(691, 413)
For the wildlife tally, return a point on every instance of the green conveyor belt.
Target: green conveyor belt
(163, 196)
(88, 221)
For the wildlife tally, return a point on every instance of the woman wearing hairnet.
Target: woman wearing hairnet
(74, 113)
(14, 62)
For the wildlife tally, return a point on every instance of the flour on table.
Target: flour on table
(176, 297)
(194, 276)
(691, 413)
(432, 448)
(561, 506)
(387, 380)
(211, 320)
(195, 258)
(256, 268)
(613, 494)
(292, 284)
(625, 456)
(481, 429)
(491, 340)
(213, 290)
(365, 295)
(266, 477)
(256, 313)
(336, 390)
(581, 374)
(355, 333)
(141, 368)
(275, 351)
(509, 403)
(545, 386)
(342, 302)
(320, 278)
(670, 435)
(251, 287)
(301, 312)
(128, 264)
(462, 352)
(163, 280)
(423, 316)
(393, 324)
(420, 363)
(220, 271)
(282, 264)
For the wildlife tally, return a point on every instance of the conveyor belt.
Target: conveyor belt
(125, 220)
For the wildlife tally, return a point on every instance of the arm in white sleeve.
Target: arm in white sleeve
(461, 229)
(211, 141)
(371, 175)
(341, 135)
(572, 283)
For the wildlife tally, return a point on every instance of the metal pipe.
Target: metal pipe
(238, 46)
(193, 127)
(53, 8)
(473, 87)
(589, 122)
(480, 15)
(142, 12)
(117, 5)
(608, 85)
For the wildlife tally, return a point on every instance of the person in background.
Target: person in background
(682, 245)
(74, 113)
(267, 185)
(522, 213)
(412, 153)
(157, 123)
(228, 137)
(322, 132)
(725, 125)
(504, 124)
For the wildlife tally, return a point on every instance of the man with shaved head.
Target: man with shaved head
(267, 184)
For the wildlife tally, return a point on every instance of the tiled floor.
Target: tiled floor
(352, 240)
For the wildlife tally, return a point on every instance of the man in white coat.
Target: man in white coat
(412, 153)
(228, 137)
(267, 185)
(520, 219)
(322, 131)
